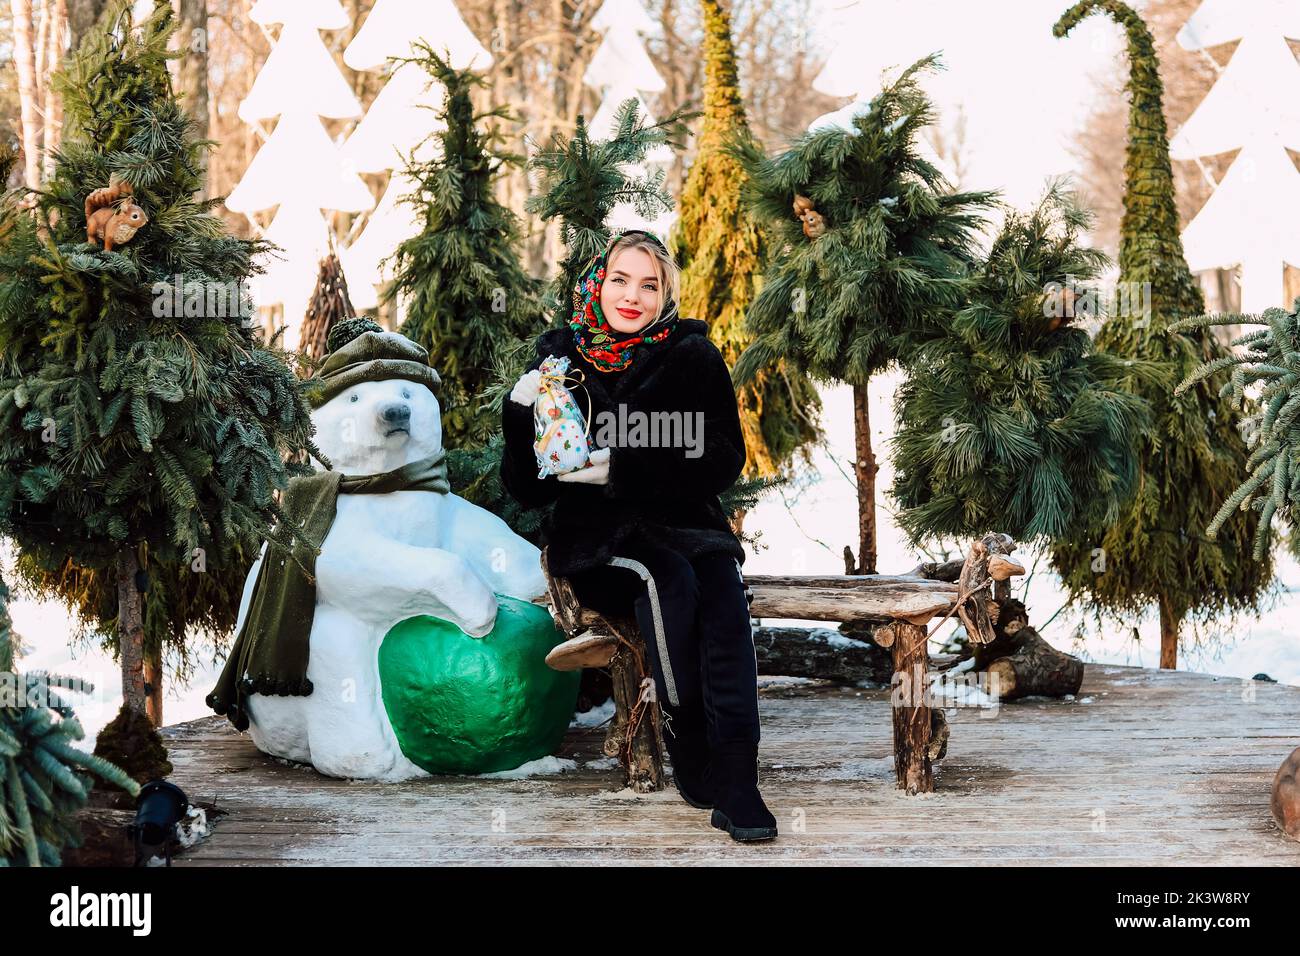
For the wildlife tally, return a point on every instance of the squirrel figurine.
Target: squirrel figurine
(814, 223)
(112, 217)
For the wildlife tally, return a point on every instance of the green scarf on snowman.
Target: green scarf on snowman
(270, 652)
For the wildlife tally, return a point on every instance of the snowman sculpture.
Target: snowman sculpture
(409, 642)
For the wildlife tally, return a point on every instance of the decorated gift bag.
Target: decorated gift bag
(561, 428)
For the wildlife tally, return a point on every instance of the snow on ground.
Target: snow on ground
(594, 717)
(541, 767)
(802, 532)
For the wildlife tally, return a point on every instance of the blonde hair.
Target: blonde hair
(668, 271)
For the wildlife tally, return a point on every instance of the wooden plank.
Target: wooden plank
(1161, 768)
(870, 598)
(872, 605)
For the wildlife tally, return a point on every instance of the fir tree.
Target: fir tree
(1011, 420)
(44, 777)
(842, 298)
(1270, 364)
(721, 252)
(1189, 459)
(466, 287)
(135, 435)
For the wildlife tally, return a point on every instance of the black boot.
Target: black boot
(738, 806)
(688, 750)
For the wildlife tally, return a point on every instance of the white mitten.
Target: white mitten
(596, 473)
(527, 388)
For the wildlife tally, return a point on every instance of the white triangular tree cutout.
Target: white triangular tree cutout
(299, 168)
(401, 119)
(1254, 106)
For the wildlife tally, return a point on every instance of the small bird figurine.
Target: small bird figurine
(814, 223)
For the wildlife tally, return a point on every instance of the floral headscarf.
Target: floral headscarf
(607, 349)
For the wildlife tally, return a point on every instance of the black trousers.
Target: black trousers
(694, 619)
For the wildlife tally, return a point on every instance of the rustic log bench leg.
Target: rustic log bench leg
(634, 735)
(911, 710)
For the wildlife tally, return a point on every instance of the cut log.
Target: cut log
(819, 653)
(1019, 663)
(877, 601)
(871, 599)
(912, 720)
(948, 571)
(848, 582)
(1285, 802)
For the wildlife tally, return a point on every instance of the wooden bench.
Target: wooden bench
(898, 608)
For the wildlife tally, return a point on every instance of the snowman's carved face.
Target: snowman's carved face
(375, 427)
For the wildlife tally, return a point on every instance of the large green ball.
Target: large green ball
(460, 704)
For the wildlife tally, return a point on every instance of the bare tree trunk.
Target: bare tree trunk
(41, 44)
(153, 687)
(82, 17)
(130, 631)
(510, 88)
(864, 468)
(1168, 636)
(28, 91)
(192, 69)
(54, 102)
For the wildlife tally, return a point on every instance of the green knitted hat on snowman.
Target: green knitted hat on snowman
(361, 351)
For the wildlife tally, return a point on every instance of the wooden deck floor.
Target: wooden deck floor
(1146, 767)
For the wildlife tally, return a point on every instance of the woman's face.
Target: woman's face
(629, 296)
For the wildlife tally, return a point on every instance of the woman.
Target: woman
(641, 528)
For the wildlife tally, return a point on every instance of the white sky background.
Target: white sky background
(1026, 95)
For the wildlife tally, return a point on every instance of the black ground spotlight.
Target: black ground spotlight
(160, 806)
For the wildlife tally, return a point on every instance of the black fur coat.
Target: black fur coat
(655, 494)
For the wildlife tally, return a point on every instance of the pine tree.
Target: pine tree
(1269, 363)
(136, 434)
(44, 777)
(884, 255)
(1189, 459)
(1012, 420)
(721, 252)
(466, 289)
